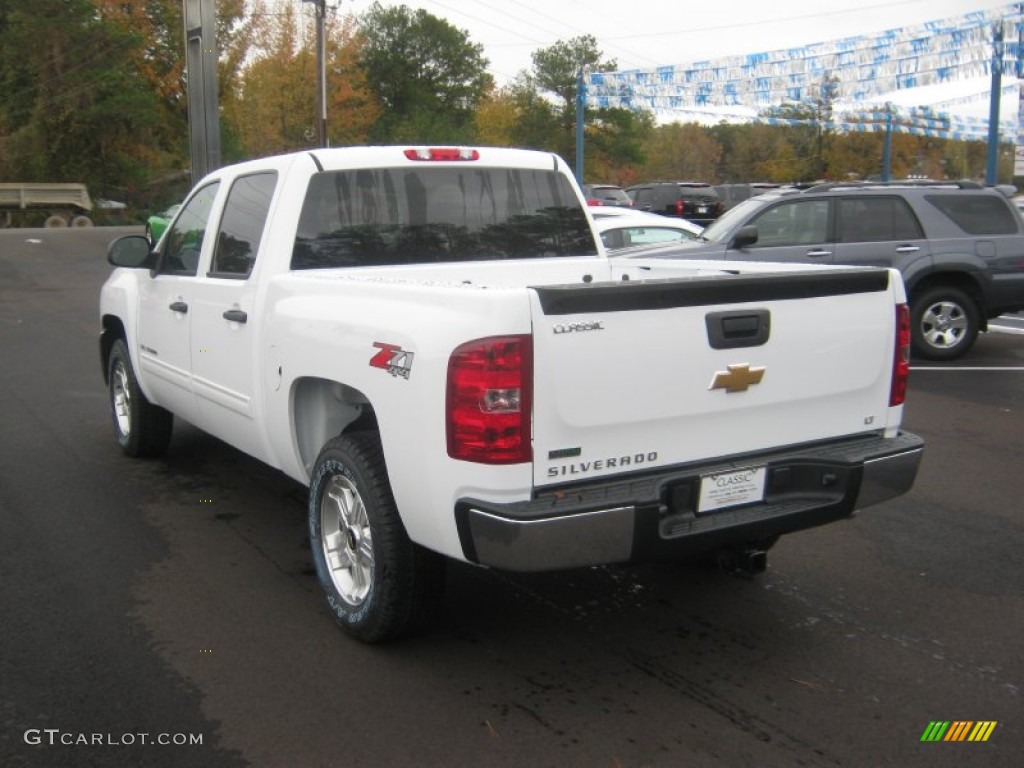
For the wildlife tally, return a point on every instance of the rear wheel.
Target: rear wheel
(141, 428)
(944, 323)
(378, 583)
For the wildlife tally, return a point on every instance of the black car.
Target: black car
(606, 194)
(693, 200)
(958, 245)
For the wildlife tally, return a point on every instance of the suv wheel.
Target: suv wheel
(944, 323)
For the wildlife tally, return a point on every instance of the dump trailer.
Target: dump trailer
(63, 204)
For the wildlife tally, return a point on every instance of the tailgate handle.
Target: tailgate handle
(737, 329)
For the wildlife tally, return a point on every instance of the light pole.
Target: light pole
(321, 73)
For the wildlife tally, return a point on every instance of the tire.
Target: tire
(378, 583)
(140, 428)
(81, 221)
(944, 323)
(55, 221)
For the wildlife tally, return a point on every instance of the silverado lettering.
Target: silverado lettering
(598, 465)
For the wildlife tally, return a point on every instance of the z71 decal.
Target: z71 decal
(393, 359)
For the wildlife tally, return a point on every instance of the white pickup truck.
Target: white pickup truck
(434, 341)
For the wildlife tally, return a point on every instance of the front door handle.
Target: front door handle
(819, 252)
(235, 316)
(178, 306)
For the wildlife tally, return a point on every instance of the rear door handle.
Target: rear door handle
(819, 252)
(178, 306)
(908, 249)
(235, 316)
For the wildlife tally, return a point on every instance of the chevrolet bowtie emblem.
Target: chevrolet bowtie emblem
(738, 378)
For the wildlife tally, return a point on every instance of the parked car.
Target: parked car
(624, 229)
(157, 223)
(958, 245)
(606, 194)
(733, 194)
(693, 200)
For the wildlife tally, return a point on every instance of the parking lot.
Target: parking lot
(175, 598)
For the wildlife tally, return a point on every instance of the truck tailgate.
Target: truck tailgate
(636, 375)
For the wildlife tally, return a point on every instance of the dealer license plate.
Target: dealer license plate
(730, 489)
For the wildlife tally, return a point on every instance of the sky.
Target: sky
(649, 33)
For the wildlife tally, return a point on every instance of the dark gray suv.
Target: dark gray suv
(958, 245)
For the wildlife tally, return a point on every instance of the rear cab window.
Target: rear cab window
(391, 216)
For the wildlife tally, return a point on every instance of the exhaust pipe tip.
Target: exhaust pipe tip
(747, 561)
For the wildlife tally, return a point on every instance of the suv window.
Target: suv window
(977, 214)
(875, 219)
(241, 226)
(800, 222)
(373, 217)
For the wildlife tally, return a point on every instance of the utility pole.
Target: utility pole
(321, 72)
(200, 18)
(992, 167)
(887, 146)
(581, 103)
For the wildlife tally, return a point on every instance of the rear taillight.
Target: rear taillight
(593, 201)
(679, 208)
(901, 357)
(442, 153)
(489, 400)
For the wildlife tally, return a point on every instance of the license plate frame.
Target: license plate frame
(731, 488)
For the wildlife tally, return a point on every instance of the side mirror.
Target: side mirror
(746, 236)
(132, 251)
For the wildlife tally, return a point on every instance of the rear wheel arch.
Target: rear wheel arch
(322, 409)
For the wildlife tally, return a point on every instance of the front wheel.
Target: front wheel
(378, 583)
(141, 428)
(944, 323)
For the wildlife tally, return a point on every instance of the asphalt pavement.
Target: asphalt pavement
(164, 612)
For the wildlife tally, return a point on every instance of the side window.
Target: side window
(800, 222)
(184, 241)
(241, 226)
(650, 235)
(876, 219)
(977, 213)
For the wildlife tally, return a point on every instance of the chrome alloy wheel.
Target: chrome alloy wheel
(121, 398)
(944, 324)
(346, 540)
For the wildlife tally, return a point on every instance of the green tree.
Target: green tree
(426, 74)
(556, 69)
(74, 107)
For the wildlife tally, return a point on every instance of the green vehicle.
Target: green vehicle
(157, 223)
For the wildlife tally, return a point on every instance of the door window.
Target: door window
(184, 240)
(800, 222)
(241, 226)
(876, 219)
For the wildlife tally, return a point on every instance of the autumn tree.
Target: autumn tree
(274, 110)
(426, 75)
(681, 151)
